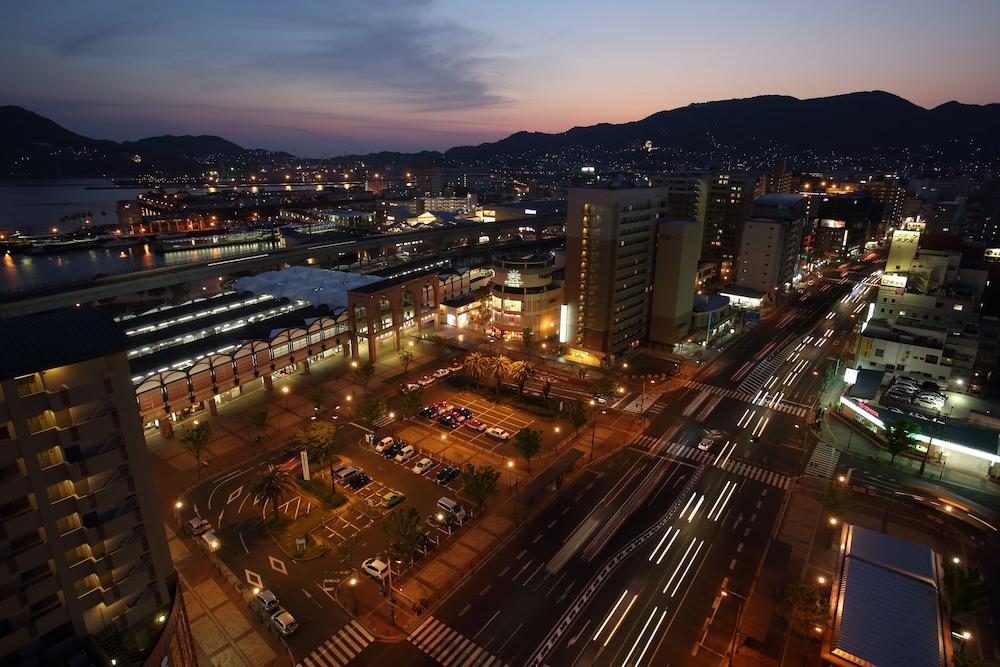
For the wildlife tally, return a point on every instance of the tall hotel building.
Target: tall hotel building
(610, 251)
(87, 577)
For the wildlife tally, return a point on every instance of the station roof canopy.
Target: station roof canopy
(315, 286)
(558, 467)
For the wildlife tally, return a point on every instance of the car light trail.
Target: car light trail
(638, 639)
(624, 614)
(719, 499)
(748, 416)
(667, 548)
(610, 614)
(761, 425)
(688, 504)
(660, 543)
(638, 659)
(695, 510)
(724, 503)
(679, 564)
(694, 557)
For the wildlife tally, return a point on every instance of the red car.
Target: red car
(474, 424)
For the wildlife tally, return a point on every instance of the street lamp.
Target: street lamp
(510, 484)
(593, 430)
(353, 581)
(740, 599)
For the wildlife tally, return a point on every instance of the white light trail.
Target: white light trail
(618, 624)
(610, 614)
(695, 510)
(724, 503)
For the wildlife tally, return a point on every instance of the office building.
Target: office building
(769, 251)
(673, 281)
(720, 203)
(610, 246)
(428, 180)
(88, 571)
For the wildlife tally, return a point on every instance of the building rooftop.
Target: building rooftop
(318, 287)
(56, 338)
(704, 303)
(882, 578)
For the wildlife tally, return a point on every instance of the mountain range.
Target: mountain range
(872, 127)
(35, 146)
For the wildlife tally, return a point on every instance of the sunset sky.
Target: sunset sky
(322, 78)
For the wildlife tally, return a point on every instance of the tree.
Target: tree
(272, 486)
(259, 420)
(370, 409)
(195, 440)
(480, 483)
(576, 413)
(546, 390)
(402, 527)
(405, 358)
(316, 394)
(363, 374)
(520, 371)
(965, 589)
(528, 338)
(474, 365)
(605, 387)
(806, 608)
(412, 400)
(347, 549)
(832, 498)
(527, 442)
(897, 437)
(319, 440)
(440, 345)
(485, 307)
(499, 368)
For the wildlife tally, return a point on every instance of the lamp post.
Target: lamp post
(832, 522)
(736, 627)
(593, 430)
(353, 582)
(284, 392)
(350, 404)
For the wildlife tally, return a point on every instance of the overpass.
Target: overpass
(325, 253)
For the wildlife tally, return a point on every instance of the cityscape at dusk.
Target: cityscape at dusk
(406, 334)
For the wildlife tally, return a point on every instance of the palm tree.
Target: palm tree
(520, 371)
(474, 365)
(195, 440)
(272, 486)
(499, 367)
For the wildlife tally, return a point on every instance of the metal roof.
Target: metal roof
(886, 609)
(56, 338)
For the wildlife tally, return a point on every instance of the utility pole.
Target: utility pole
(736, 626)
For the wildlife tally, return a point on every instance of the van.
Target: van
(448, 505)
(346, 472)
(406, 452)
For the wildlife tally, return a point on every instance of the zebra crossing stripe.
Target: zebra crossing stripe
(361, 630)
(334, 656)
(420, 629)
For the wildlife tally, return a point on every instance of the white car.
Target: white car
(705, 444)
(441, 373)
(426, 380)
(211, 540)
(387, 441)
(407, 452)
(498, 433)
(375, 569)
(423, 465)
(284, 623)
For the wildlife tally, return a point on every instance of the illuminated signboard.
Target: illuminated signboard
(893, 280)
(514, 279)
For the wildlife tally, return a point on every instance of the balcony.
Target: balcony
(31, 555)
(20, 524)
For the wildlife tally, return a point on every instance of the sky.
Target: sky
(322, 78)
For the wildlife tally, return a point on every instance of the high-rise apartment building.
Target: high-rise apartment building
(769, 252)
(428, 179)
(88, 572)
(610, 245)
(674, 281)
(720, 203)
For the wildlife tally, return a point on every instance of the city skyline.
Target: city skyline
(411, 76)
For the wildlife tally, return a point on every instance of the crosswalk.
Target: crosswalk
(737, 467)
(751, 471)
(646, 404)
(451, 648)
(823, 461)
(781, 406)
(342, 647)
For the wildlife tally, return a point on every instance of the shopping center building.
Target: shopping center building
(526, 295)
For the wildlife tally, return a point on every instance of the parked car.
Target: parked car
(441, 373)
(266, 600)
(898, 395)
(387, 441)
(284, 623)
(498, 433)
(210, 539)
(928, 403)
(465, 412)
(443, 519)
(423, 465)
(407, 387)
(450, 506)
(198, 526)
(443, 407)
(376, 569)
(448, 421)
(931, 386)
(346, 472)
(426, 380)
(428, 412)
(455, 366)
(405, 452)
(705, 444)
(358, 480)
(392, 498)
(902, 379)
(393, 449)
(447, 474)
(474, 424)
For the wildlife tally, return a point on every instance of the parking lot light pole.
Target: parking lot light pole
(510, 483)
(353, 581)
(593, 429)
(392, 600)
